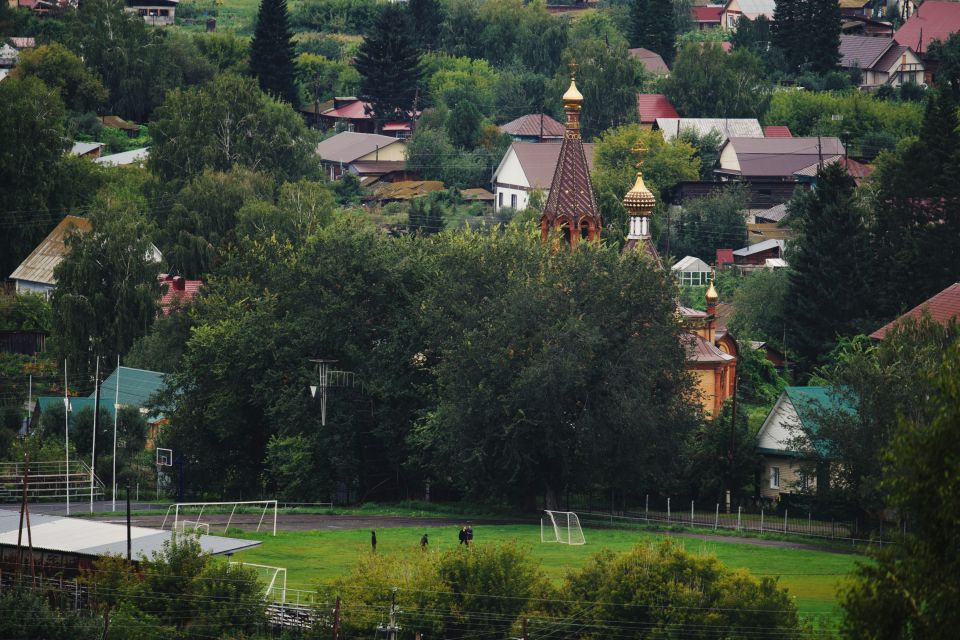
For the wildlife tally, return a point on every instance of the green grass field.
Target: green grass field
(315, 557)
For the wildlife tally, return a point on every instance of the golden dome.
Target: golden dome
(639, 201)
(572, 98)
(712, 295)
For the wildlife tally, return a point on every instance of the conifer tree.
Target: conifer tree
(389, 65)
(653, 26)
(822, 35)
(271, 51)
(828, 285)
(426, 16)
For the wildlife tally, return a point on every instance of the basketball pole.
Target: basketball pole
(66, 431)
(96, 410)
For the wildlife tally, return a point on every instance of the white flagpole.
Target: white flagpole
(116, 411)
(96, 410)
(66, 430)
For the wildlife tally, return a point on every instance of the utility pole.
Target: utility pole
(129, 553)
(66, 431)
(392, 628)
(733, 431)
(96, 410)
(116, 413)
(336, 619)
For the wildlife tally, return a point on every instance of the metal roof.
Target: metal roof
(539, 160)
(83, 148)
(39, 265)
(651, 61)
(775, 213)
(691, 264)
(943, 308)
(135, 156)
(93, 538)
(137, 386)
(651, 106)
(347, 146)
(766, 245)
(530, 126)
(776, 131)
(726, 127)
(700, 350)
(862, 51)
(933, 20)
(781, 157)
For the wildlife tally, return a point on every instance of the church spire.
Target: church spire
(639, 203)
(570, 207)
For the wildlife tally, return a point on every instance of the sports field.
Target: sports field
(313, 557)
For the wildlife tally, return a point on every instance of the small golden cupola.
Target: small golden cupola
(639, 203)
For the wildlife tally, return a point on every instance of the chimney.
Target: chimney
(179, 284)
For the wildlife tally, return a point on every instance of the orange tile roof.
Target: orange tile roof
(943, 308)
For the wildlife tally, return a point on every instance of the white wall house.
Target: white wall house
(525, 167)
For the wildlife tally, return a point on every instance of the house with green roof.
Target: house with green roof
(798, 411)
(137, 387)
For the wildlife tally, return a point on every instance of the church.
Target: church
(571, 210)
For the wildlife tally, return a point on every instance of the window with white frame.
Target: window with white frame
(774, 477)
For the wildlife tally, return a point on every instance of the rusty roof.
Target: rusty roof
(571, 192)
(116, 122)
(943, 308)
(530, 126)
(39, 265)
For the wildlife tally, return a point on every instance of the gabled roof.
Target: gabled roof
(862, 51)
(943, 309)
(530, 126)
(691, 264)
(39, 265)
(766, 245)
(933, 20)
(726, 127)
(753, 8)
(347, 146)
(355, 110)
(700, 350)
(651, 61)
(539, 160)
(651, 106)
(775, 213)
(83, 148)
(776, 131)
(134, 156)
(177, 289)
(116, 122)
(780, 157)
(137, 386)
(708, 14)
(25, 42)
(857, 170)
(891, 57)
(799, 407)
(810, 401)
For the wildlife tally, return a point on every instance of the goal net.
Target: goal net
(198, 516)
(562, 527)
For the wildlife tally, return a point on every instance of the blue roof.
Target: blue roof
(136, 386)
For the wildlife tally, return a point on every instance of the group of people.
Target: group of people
(465, 535)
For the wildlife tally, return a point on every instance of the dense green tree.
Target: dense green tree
(712, 222)
(106, 288)
(910, 589)
(161, 348)
(760, 308)
(228, 122)
(323, 78)
(131, 438)
(829, 290)
(61, 69)
(720, 455)
(946, 54)
(225, 51)
(808, 33)
(754, 35)
(669, 592)
(609, 80)
(916, 234)
(519, 92)
(426, 218)
(426, 18)
(448, 80)
(707, 82)
(653, 26)
(271, 51)
(389, 65)
(708, 149)
(884, 381)
(463, 125)
(27, 615)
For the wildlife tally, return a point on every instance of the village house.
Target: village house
(156, 13)
(881, 61)
(35, 273)
(353, 115)
(782, 443)
(651, 61)
(757, 255)
(942, 308)
(349, 151)
(533, 127)
(527, 167)
(707, 17)
(933, 20)
(733, 10)
(651, 106)
(774, 158)
(176, 291)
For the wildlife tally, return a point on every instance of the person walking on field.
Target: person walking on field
(469, 534)
(463, 535)
(424, 542)
(373, 541)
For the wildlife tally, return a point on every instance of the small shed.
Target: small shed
(692, 272)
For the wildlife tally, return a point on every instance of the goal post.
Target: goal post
(561, 526)
(196, 509)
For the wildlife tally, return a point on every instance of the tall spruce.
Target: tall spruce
(653, 26)
(389, 65)
(828, 285)
(271, 51)
(426, 17)
(788, 36)
(808, 33)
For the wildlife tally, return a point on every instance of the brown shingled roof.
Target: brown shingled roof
(529, 126)
(943, 308)
(571, 193)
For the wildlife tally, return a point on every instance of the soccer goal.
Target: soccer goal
(274, 580)
(183, 511)
(562, 527)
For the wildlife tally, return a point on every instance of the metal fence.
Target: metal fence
(666, 512)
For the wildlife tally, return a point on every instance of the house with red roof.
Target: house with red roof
(933, 20)
(651, 61)
(707, 17)
(942, 308)
(353, 115)
(651, 106)
(176, 291)
(776, 131)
